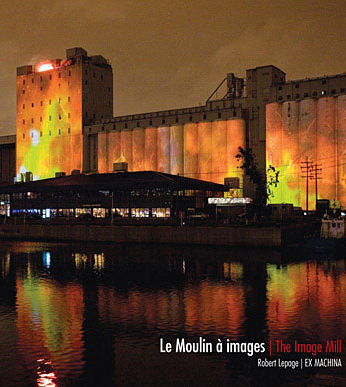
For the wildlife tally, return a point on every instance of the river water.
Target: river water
(93, 315)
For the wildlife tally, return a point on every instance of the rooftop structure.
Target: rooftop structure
(127, 194)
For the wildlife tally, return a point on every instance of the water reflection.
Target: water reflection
(71, 314)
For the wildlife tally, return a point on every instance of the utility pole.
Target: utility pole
(306, 169)
(316, 175)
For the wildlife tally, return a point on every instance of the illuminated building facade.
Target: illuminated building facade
(309, 131)
(54, 100)
(65, 122)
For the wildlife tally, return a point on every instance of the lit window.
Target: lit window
(161, 212)
(140, 212)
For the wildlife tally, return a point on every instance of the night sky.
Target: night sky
(171, 53)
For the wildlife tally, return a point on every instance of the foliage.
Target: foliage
(264, 183)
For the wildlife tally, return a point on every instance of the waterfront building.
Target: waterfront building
(126, 194)
(65, 123)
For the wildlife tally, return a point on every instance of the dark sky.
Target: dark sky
(171, 53)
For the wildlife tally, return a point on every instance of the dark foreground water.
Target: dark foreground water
(91, 315)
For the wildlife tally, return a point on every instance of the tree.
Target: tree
(264, 183)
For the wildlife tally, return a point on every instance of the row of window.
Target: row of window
(163, 121)
(50, 77)
(49, 102)
(297, 85)
(94, 74)
(96, 212)
(333, 91)
(314, 94)
(49, 118)
(41, 88)
(59, 76)
(60, 131)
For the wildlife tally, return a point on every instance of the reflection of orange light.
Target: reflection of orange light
(46, 380)
(45, 67)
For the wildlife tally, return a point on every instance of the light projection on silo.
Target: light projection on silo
(49, 121)
(204, 150)
(314, 131)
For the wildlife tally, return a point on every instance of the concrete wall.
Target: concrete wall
(220, 236)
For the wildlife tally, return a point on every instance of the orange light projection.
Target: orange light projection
(204, 150)
(308, 130)
(305, 297)
(49, 121)
(50, 327)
